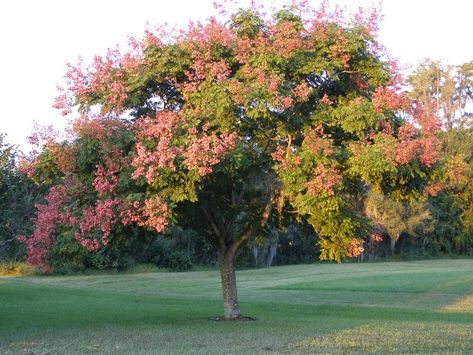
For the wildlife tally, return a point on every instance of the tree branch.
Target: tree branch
(231, 250)
(210, 220)
(289, 143)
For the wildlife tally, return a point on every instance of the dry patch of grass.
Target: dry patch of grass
(463, 305)
(394, 338)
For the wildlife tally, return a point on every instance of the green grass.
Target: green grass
(395, 307)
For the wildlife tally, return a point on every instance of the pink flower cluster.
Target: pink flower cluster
(200, 41)
(285, 39)
(324, 180)
(96, 127)
(106, 76)
(162, 140)
(106, 178)
(48, 217)
(387, 98)
(376, 237)
(433, 189)
(159, 131)
(302, 91)
(62, 102)
(204, 151)
(102, 217)
(417, 140)
(339, 50)
(317, 142)
(153, 214)
(425, 147)
(355, 248)
(43, 135)
(325, 100)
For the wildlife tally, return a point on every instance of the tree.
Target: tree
(235, 125)
(453, 207)
(446, 89)
(449, 92)
(18, 196)
(7, 177)
(397, 217)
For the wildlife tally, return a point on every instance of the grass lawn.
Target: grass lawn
(395, 307)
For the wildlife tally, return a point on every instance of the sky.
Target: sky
(38, 38)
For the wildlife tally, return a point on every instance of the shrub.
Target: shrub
(15, 268)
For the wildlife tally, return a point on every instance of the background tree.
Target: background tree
(233, 126)
(398, 217)
(453, 206)
(446, 89)
(18, 196)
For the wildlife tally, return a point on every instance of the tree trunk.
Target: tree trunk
(254, 249)
(231, 307)
(393, 245)
(227, 254)
(272, 253)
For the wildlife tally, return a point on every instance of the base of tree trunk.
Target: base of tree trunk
(237, 319)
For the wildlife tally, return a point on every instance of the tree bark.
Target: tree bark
(227, 254)
(254, 250)
(231, 307)
(393, 245)
(272, 253)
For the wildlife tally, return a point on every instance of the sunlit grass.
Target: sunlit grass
(393, 337)
(411, 307)
(463, 305)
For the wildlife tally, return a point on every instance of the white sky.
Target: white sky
(37, 38)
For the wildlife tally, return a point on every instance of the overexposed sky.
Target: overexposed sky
(38, 38)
